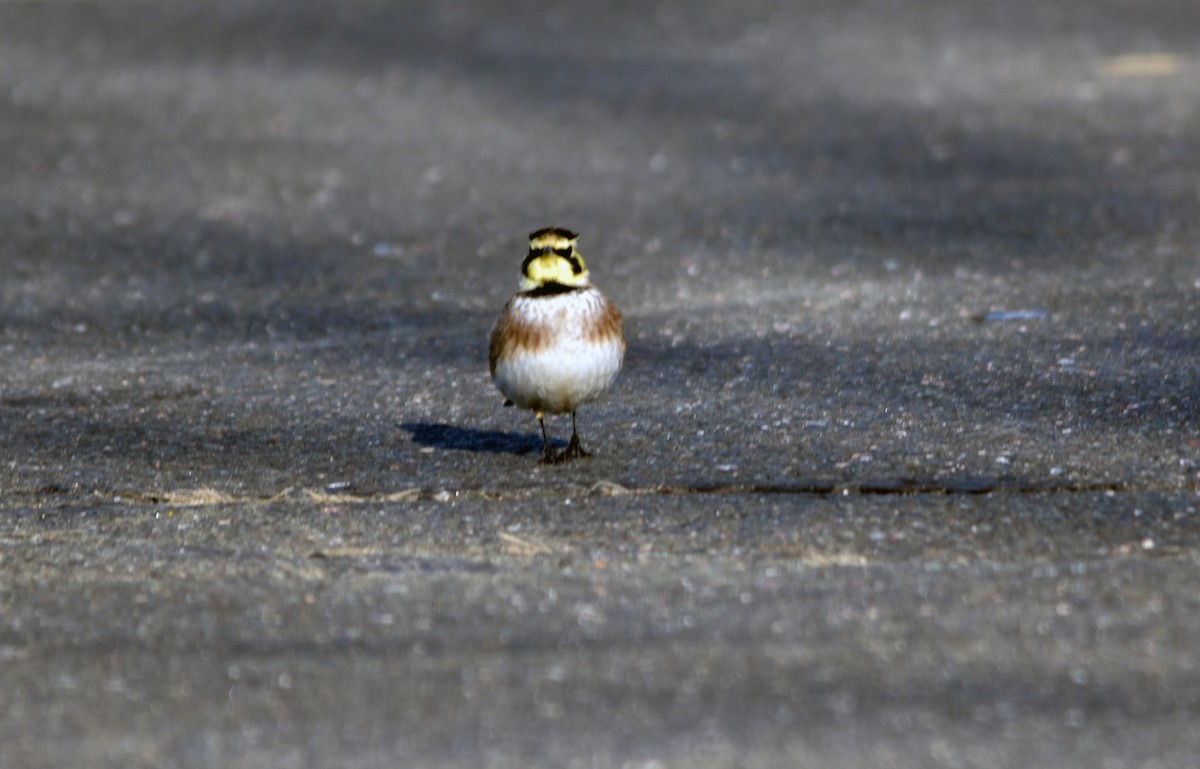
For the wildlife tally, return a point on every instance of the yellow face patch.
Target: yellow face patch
(553, 259)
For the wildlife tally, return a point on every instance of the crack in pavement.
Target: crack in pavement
(209, 497)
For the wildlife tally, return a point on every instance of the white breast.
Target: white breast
(573, 367)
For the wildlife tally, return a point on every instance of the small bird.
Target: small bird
(558, 343)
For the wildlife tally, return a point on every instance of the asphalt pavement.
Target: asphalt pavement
(902, 470)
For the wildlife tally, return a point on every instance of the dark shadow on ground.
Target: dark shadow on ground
(444, 436)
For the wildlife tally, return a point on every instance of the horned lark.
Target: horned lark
(558, 344)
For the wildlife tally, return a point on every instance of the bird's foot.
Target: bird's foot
(574, 450)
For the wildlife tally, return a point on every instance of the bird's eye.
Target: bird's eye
(563, 252)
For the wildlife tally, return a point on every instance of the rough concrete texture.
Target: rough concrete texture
(901, 470)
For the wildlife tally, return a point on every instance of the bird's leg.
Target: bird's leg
(548, 456)
(574, 449)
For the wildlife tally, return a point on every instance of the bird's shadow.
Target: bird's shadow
(444, 436)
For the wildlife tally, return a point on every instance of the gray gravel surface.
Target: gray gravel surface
(902, 470)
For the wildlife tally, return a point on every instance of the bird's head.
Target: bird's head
(553, 260)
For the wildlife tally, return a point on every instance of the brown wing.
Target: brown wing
(496, 344)
(512, 331)
(607, 323)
